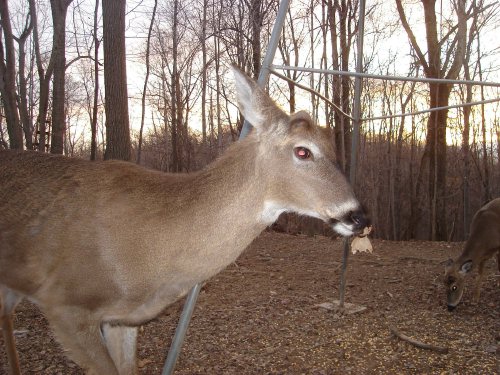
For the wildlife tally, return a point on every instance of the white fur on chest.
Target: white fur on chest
(271, 212)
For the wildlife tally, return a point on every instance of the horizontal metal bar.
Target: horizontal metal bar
(387, 77)
(432, 110)
(313, 91)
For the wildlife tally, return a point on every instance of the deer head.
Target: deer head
(298, 158)
(454, 276)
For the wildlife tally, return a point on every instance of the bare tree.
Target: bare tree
(93, 120)
(466, 129)
(44, 77)
(204, 53)
(8, 78)
(26, 120)
(118, 144)
(175, 94)
(59, 12)
(437, 65)
(289, 46)
(343, 26)
(146, 78)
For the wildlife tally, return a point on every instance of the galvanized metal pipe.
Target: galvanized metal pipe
(355, 137)
(386, 77)
(180, 331)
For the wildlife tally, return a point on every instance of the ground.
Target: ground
(262, 316)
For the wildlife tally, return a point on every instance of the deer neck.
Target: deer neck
(223, 208)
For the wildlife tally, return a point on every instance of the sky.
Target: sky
(138, 21)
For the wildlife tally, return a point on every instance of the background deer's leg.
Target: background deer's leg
(480, 274)
(498, 259)
(80, 334)
(498, 265)
(8, 303)
(121, 342)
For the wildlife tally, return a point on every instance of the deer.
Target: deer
(103, 247)
(483, 243)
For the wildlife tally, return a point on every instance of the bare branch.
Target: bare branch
(461, 40)
(417, 343)
(411, 36)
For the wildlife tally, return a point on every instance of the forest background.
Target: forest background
(167, 99)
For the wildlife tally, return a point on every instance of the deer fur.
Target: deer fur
(483, 244)
(102, 247)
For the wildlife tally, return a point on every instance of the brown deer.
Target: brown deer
(102, 247)
(483, 243)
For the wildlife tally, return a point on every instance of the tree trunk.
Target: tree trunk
(8, 79)
(59, 12)
(203, 41)
(256, 19)
(287, 45)
(486, 172)
(93, 124)
(26, 120)
(143, 99)
(436, 154)
(118, 145)
(435, 149)
(176, 163)
(220, 134)
(341, 84)
(466, 160)
(44, 77)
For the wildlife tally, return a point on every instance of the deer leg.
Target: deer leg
(121, 342)
(8, 303)
(480, 274)
(81, 335)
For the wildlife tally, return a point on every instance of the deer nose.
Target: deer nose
(451, 307)
(358, 219)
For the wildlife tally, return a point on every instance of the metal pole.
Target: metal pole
(180, 331)
(355, 136)
(187, 311)
(345, 257)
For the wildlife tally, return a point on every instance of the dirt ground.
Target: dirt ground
(261, 316)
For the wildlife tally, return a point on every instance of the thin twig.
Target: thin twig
(417, 343)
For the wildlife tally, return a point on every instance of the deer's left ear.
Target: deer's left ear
(466, 267)
(448, 264)
(254, 104)
(301, 120)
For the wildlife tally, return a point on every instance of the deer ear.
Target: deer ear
(254, 104)
(301, 119)
(466, 267)
(448, 264)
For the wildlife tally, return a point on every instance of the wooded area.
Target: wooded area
(167, 100)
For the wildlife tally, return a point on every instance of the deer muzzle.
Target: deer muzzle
(352, 223)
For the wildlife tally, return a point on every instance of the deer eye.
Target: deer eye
(302, 153)
(454, 288)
